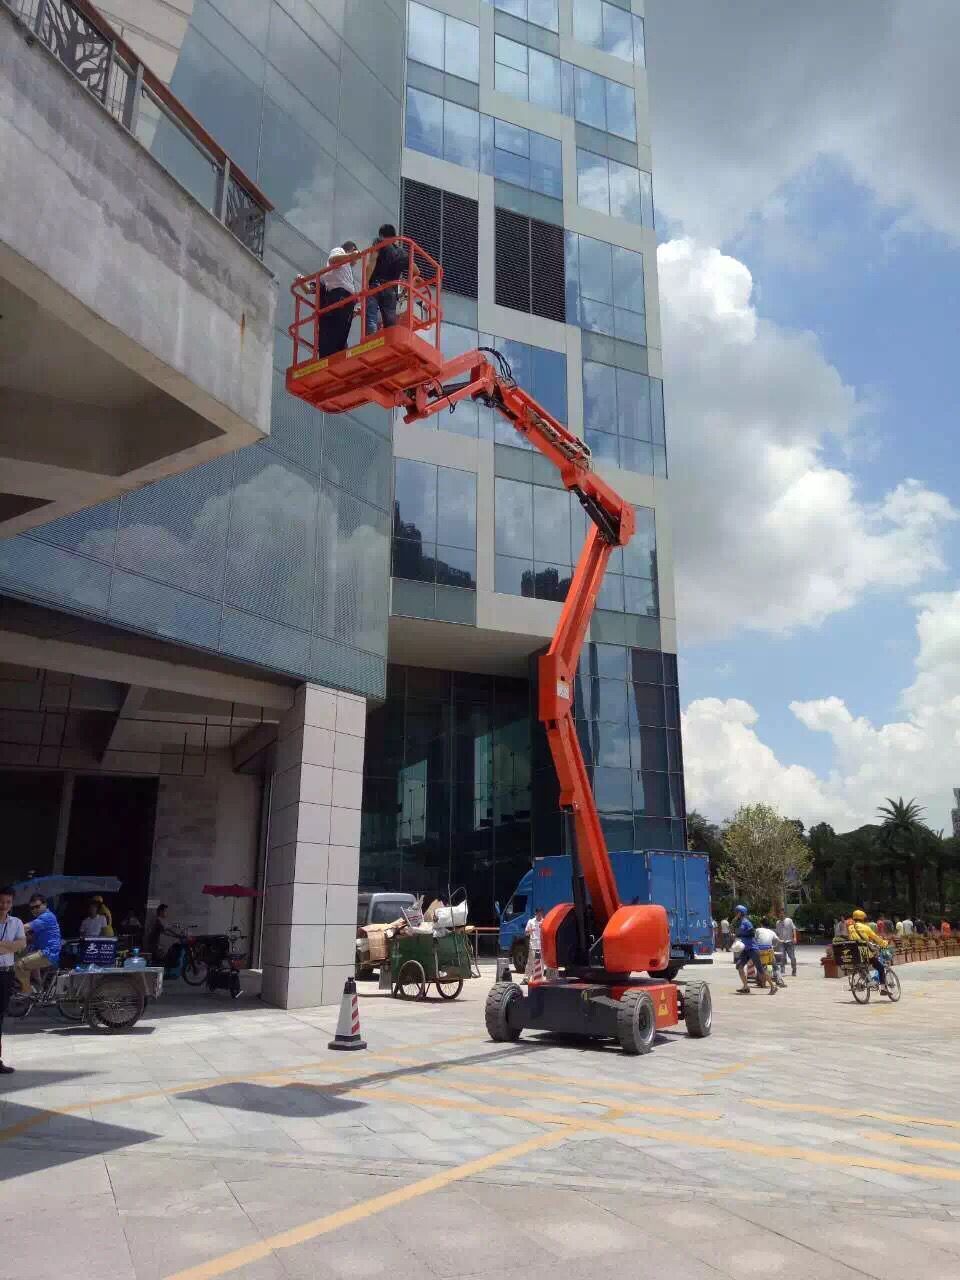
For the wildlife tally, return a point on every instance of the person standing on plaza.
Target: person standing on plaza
(907, 926)
(725, 934)
(787, 933)
(767, 940)
(43, 936)
(12, 939)
(533, 944)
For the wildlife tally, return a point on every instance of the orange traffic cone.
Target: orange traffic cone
(348, 1023)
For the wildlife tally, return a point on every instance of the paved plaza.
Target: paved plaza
(808, 1136)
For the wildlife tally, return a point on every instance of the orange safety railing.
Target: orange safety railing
(418, 298)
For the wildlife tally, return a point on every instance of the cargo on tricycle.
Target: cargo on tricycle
(418, 958)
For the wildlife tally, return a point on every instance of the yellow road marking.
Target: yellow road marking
(612, 1086)
(851, 1113)
(727, 1071)
(548, 1095)
(366, 1209)
(931, 1144)
(675, 1137)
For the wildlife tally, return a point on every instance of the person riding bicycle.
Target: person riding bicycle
(860, 931)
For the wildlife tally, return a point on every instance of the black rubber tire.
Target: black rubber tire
(499, 1000)
(860, 986)
(195, 972)
(72, 1010)
(636, 1023)
(18, 1005)
(666, 975)
(415, 979)
(893, 986)
(450, 989)
(115, 1005)
(518, 955)
(698, 1009)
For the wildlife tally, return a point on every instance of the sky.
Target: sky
(807, 181)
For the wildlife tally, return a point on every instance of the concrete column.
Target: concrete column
(63, 824)
(310, 911)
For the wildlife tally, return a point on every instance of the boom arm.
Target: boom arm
(612, 526)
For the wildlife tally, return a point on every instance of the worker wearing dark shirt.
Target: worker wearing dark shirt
(386, 268)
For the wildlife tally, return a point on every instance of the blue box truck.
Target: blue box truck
(677, 880)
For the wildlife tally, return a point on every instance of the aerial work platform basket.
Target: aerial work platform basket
(382, 364)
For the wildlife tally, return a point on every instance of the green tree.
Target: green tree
(704, 836)
(903, 836)
(761, 851)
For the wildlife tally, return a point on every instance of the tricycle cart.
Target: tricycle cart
(110, 1000)
(418, 959)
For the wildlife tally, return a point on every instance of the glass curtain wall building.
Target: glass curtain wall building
(419, 567)
(526, 169)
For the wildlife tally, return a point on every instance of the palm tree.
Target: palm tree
(902, 833)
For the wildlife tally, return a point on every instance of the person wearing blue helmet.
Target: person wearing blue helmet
(747, 934)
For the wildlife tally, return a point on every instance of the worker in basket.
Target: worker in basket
(860, 931)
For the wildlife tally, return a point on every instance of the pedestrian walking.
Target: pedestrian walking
(787, 933)
(747, 935)
(534, 951)
(725, 934)
(12, 939)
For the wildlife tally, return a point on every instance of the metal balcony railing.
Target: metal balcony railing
(79, 37)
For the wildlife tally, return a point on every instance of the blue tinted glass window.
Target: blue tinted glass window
(628, 279)
(588, 22)
(550, 381)
(605, 448)
(593, 181)
(424, 122)
(461, 135)
(589, 105)
(509, 53)
(511, 137)
(599, 397)
(415, 500)
(596, 270)
(543, 13)
(639, 50)
(457, 507)
(510, 167)
(545, 80)
(636, 455)
(551, 525)
(462, 49)
(633, 404)
(425, 35)
(646, 199)
(629, 325)
(617, 32)
(517, 7)
(656, 411)
(625, 196)
(546, 165)
(640, 596)
(513, 518)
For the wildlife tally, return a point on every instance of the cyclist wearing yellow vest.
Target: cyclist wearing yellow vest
(860, 931)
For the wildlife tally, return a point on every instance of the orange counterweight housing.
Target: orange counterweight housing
(549, 929)
(637, 938)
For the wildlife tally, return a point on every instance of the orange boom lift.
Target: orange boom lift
(594, 947)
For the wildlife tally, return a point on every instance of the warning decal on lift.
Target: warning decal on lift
(366, 346)
(311, 368)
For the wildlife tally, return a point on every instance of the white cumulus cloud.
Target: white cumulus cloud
(728, 764)
(768, 534)
(747, 97)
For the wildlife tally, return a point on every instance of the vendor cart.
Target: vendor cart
(109, 1000)
(443, 957)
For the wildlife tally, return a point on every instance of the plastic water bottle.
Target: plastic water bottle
(135, 960)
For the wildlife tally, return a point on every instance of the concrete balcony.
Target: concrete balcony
(136, 320)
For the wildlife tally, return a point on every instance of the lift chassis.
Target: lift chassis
(593, 947)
